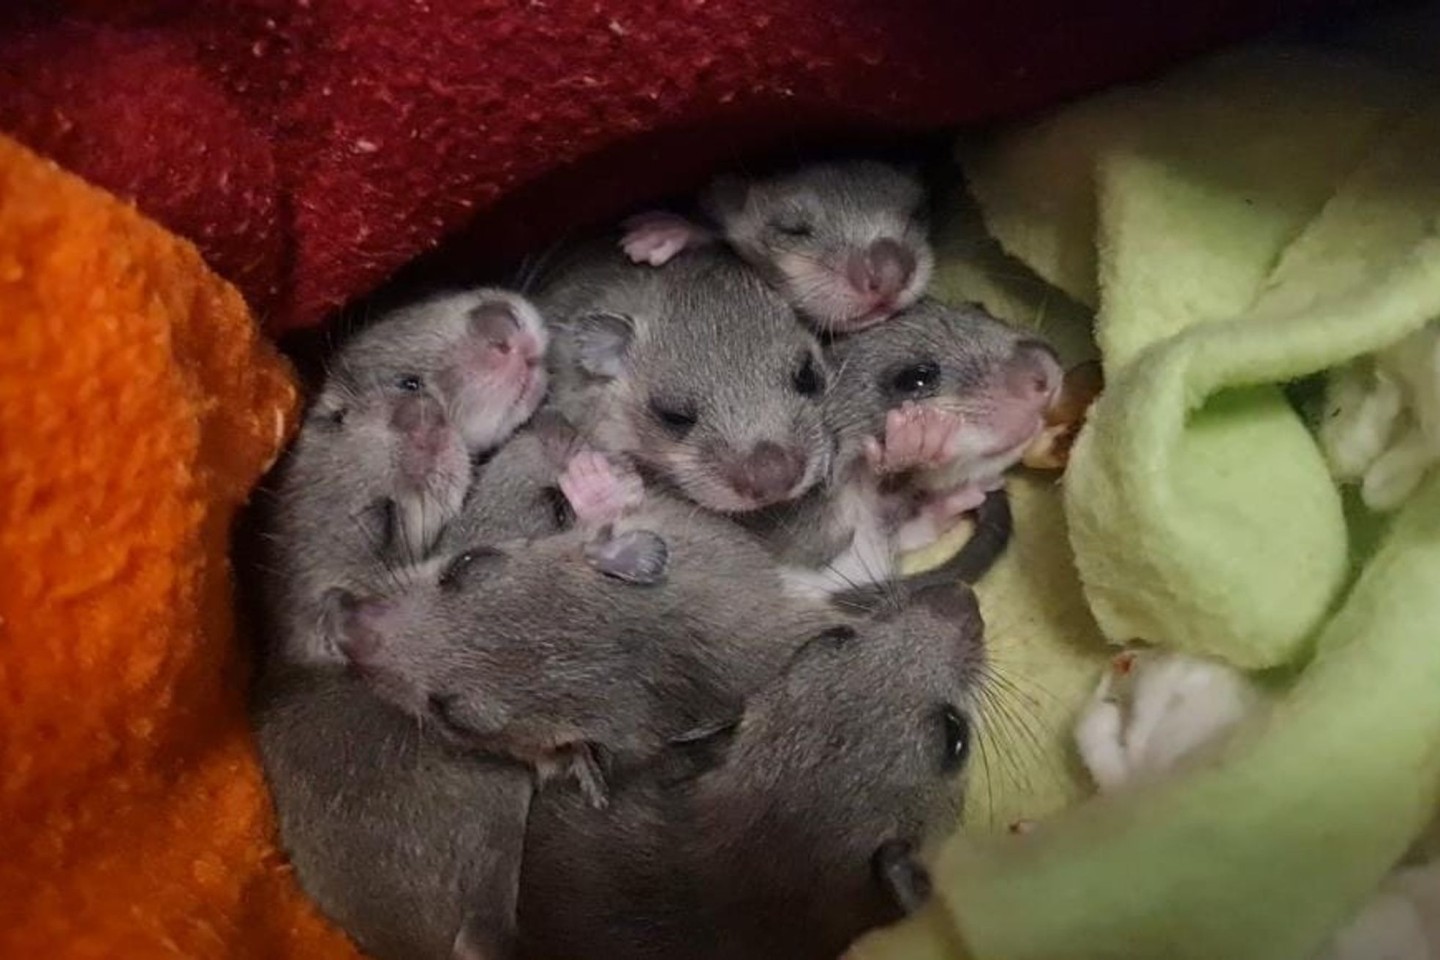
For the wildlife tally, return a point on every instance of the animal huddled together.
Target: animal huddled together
(585, 632)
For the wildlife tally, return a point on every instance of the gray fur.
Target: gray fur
(802, 230)
(398, 838)
(515, 494)
(535, 650)
(976, 356)
(768, 855)
(382, 461)
(976, 359)
(701, 335)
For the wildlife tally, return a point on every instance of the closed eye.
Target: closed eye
(678, 418)
(792, 224)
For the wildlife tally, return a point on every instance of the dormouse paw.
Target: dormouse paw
(916, 436)
(1152, 709)
(656, 237)
(598, 490)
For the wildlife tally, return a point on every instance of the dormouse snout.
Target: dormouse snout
(955, 605)
(768, 473)
(882, 270)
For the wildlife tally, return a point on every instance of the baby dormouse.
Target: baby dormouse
(793, 836)
(382, 460)
(845, 243)
(695, 370)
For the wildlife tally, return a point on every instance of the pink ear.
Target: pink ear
(638, 556)
(351, 622)
(494, 322)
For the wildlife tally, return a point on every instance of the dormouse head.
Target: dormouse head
(846, 243)
(998, 380)
(708, 382)
(479, 353)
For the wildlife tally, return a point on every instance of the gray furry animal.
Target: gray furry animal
(845, 243)
(382, 461)
(696, 370)
(794, 835)
(928, 411)
(585, 651)
(409, 844)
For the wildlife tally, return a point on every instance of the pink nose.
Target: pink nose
(1033, 374)
(882, 271)
(768, 473)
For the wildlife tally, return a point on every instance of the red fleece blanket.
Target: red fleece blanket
(312, 147)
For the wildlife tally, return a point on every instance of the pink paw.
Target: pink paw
(915, 436)
(598, 491)
(656, 237)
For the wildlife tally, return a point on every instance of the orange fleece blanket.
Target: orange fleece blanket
(138, 406)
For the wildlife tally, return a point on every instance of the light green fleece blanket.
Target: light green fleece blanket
(1252, 220)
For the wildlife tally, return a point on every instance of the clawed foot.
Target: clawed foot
(929, 516)
(656, 237)
(598, 491)
(915, 436)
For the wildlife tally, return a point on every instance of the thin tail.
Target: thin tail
(993, 527)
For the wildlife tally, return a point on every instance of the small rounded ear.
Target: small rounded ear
(340, 623)
(493, 321)
(637, 556)
(901, 875)
(601, 342)
(726, 197)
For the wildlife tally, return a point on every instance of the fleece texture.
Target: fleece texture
(310, 148)
(138, 406)
(1256, 219)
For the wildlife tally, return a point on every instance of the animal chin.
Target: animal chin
(489, 409)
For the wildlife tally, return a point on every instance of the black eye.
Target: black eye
(337, 416)
(956, 727)
(678, 419)
(410, 383)
(453, 576)
(917, 379)
(807, 378)
(560, 510)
